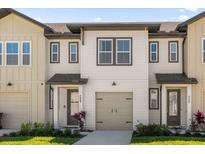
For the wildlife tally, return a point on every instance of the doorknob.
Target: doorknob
(64, 106)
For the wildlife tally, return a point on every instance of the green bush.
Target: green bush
(58, 133)
(67, 132)
(151, 130)
(26, 129)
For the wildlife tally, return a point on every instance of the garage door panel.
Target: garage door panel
(114, 110)
(15, 109)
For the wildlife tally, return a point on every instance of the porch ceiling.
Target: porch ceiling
(63, 79)
(175, 78)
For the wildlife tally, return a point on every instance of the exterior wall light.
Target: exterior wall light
(9, 84)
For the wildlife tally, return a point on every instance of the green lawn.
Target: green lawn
(38, 140)
(167, 140)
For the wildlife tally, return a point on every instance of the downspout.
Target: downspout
(160, 101)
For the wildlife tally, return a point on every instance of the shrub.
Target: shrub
(198, 122)
(67, 132)
(80, 116)
(58, 133)
(25, 129)
(151, 130)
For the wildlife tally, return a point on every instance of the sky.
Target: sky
(50, 15)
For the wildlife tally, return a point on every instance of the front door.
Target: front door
(173, 107)
(72, 106)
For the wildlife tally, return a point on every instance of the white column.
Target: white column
(164, 105)
(55, 106)
(81, 98)
(189, 104)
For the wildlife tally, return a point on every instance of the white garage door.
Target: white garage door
(14, 107)
(114, 111)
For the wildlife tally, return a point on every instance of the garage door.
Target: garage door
(114, 111)
(15, 109)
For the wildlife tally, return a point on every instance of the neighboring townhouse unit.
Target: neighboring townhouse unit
(120, 74)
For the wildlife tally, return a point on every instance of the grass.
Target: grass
(38, 140)
(167, 140)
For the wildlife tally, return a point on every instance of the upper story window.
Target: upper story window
(105, 51)
(26, 53)
(123, 52)
(12, 52)
(173, 51)
(55, 52)
(154, 52)
(73, 52)
(114, 51)
(203, 50)
(1, 53)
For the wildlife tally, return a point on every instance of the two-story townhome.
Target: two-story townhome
(120, 74)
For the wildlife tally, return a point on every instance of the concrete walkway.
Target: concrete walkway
(106, 138)
(7, 131)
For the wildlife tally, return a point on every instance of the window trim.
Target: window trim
(130, 52)
(77, 54)
(2, 53)
(150, 108)
(203, 50)
(51, 44)
(22, 54)
(13, 54)
(150, 60)
(114, 51)
(104, 39)
(169, 53)
(51, 100)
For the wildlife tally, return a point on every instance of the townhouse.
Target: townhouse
(120, 74)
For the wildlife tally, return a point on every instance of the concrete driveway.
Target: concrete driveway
(106, 138)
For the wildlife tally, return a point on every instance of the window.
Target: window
(105, 51)
(55, 52)
(12, 51)
(51, 96)
(153, 98)
(114, 51)
(173, 51)
(73, 52)
(1, 53)
(154, 52)
(203, 50)
(26, 53)
(123, 51)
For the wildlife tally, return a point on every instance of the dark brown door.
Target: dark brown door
(72, 106)
(173, 107)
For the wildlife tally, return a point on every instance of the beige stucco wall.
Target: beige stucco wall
(195, 68)
(128, 78)
(163, 66)
(64, 66)
(29, 79)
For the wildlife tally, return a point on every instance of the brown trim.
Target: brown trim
(114, 51)
(62, 36)
(58, 52)
(177, 52)
(69, 52)
(157, 99)
(157, 52)
(167, 35)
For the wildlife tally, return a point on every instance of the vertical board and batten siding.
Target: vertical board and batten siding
(128, 78)
(29, 79)
(195, 67)
(163, 66)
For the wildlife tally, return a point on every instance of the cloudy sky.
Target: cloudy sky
(110, 15)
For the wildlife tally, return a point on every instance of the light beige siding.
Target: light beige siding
(195, 68)
(27, 79)
(163, 66)
(128, 78)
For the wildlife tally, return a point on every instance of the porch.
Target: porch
(66, 97)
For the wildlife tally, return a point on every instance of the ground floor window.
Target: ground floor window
(153, 98)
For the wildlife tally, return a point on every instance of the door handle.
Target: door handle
(115, 110)
(64, 106)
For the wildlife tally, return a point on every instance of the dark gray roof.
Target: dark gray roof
(183, 26)
(67, 79)
(175, 78)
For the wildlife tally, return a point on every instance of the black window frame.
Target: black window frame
(151, 108)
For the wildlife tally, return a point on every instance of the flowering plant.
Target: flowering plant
(80, 116)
